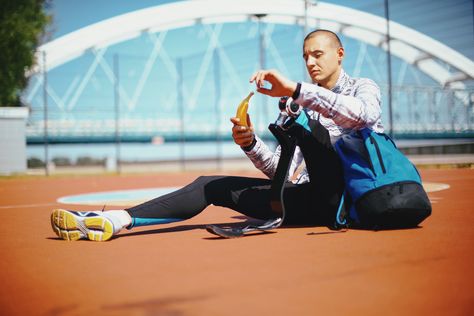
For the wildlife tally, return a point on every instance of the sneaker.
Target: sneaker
(72, 225)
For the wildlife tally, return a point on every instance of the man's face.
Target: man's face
(322, 57)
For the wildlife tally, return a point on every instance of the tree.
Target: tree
(22, 25)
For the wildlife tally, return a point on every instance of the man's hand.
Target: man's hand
(242, 135)
(281, 86)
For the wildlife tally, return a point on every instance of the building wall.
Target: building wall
(12, 140)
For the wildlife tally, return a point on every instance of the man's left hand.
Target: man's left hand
(281, 86)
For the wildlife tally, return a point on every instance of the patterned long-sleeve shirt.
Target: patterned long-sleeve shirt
(353, 103)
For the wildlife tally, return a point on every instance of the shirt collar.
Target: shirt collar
(341, 82)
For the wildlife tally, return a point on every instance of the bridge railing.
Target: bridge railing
(439, 112)
(417, 110)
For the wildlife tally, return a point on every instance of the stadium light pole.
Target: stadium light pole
(117, 112)
(389, 69)
(45, 117)
(217, 95)
(262, 65)
(307, 4)
(305, 31)
(180, 83)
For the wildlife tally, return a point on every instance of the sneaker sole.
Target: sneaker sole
(67, 226)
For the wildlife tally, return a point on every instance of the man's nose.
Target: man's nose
(310, 61)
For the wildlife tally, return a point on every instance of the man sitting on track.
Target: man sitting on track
(335, 104)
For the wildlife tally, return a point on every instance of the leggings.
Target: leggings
(313, 203)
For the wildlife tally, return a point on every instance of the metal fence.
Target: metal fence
(110, 136)
(431, 111)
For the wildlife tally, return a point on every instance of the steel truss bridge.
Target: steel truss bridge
(444, 106)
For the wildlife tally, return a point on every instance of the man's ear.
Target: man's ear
(340, 54)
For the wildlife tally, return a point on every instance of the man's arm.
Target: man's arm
(258, 152)
(362, 109)
(267, 161)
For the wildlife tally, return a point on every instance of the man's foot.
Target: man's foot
(72, 225)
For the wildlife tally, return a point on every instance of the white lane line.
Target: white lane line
(27, 205)
(435, 186)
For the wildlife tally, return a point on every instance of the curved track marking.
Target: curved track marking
(435, 186)
(117, 198)
(137, 196)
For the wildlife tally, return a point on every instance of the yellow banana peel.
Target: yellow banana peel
(242, 110)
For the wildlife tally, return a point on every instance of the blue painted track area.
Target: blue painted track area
(116, 198)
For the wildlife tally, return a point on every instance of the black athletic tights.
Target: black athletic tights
(313, 203)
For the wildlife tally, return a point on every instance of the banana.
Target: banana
(242, 110)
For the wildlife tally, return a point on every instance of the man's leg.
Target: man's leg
(324, 168)
(176, 206)
(249, 196)
(195, 197)
(254, 200)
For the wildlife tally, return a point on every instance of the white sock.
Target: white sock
(122, 216)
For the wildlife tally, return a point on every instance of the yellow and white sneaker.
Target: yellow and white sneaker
(73, 225)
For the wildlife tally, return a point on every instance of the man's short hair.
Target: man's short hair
(331, 34)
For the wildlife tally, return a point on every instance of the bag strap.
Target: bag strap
(341, 219)
(375, 155)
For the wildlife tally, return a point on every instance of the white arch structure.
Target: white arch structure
(411, 46)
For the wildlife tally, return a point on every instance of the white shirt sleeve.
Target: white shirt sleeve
(360, 110)
(267, 161)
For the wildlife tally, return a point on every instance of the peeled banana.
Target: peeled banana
(242, 110)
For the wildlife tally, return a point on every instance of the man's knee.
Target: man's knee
(203, 185)
(203, 179)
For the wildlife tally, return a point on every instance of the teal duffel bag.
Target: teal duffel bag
(383, 189)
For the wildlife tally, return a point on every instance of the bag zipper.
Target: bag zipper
(379, 155)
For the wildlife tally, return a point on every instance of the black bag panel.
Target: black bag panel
(398, 205)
